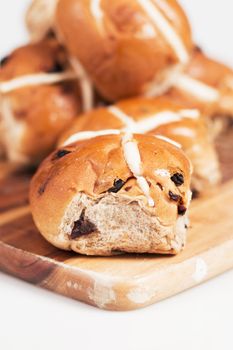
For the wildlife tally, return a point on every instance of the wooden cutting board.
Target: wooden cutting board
(123, 282)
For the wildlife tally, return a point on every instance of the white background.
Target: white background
(201, 318)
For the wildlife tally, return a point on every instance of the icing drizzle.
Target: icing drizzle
(123, 117)
(167, 139)
(85, 84)
(155, 120)
(96, 10)
(52, 78)
(197, 88)
(35, 79)
(166, 29)
(133, 160)
(84, 135)
(141, 127)
(130, 147)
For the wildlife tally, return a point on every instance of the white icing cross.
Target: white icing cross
(95, 7)
(131, 154)
(133, 160)
(35, 79)
(84, 135)
(197, 88)
(184, 131)
(166, 29)
(154, 121)
(141, 127)
(122, 116)
(158, 87)
(158, 19)
(52, 78)
(130, 147)
(85, 84)
(167, 139)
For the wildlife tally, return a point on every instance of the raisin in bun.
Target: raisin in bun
(38, 98)
(120, 192)
(157, 116)
(126, 47)
(206, 84)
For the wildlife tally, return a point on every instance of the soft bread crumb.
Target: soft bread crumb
(122, 225)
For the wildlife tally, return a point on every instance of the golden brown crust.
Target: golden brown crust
(43, 111)
(114, 46)
(91, 167)
(136, 108)
(191, 133)
(45, 56)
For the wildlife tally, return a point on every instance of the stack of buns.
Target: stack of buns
(127, 104)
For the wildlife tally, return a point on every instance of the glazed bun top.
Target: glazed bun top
(126, 47)
(40, 64)
(159, 116)
(46, 56)
(138, 167)
(39, 97)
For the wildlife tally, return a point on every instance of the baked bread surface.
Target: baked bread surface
(85, 197)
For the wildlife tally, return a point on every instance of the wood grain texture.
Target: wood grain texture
(128, 281)
(13, 187)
